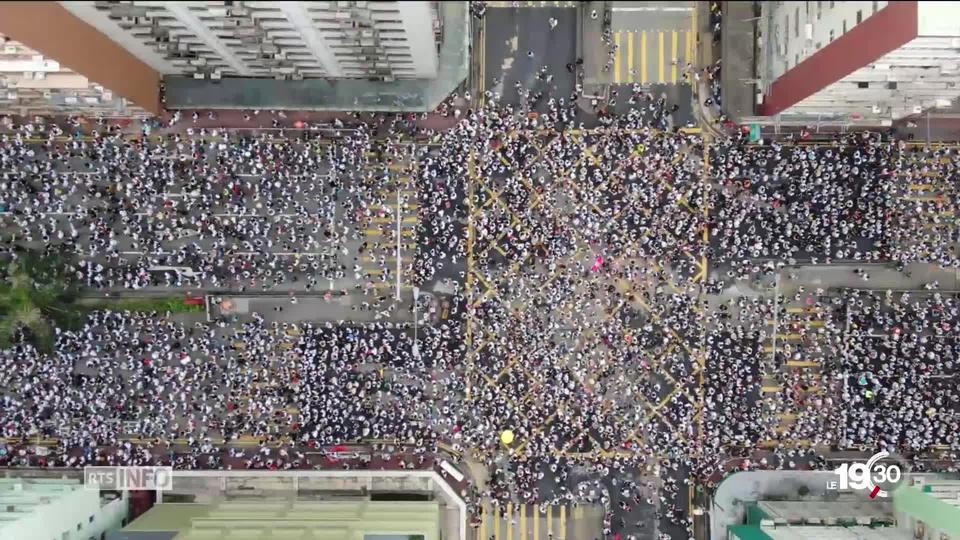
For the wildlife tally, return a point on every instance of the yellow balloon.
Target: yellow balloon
(506, 437)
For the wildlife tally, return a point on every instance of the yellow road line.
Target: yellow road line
(675, 59)
(536, 522)
(802, 363)
(523, 522)
(484, 516)
(630, 68)
(689, 55)
(616, 58)
(802, 310)
(563, 523)
(549, 520)
(643, 58)
(660, 52)
(406, 219)
(694, 29)
(408, 233)
(771, 389)
(509, 520)
(496, 523)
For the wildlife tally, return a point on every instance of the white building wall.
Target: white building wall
(939, 18)
(416, 19)
(292, 40)
(76, 515)
(98, 19)
(827, 22)
(922, 74)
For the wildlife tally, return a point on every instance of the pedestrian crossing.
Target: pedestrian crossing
(652, 56)
(799, 344)
(525, 522)
(931, 199)
(379, 262)
(378, 265)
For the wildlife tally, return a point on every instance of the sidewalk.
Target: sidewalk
(738, 50)
(707, 54)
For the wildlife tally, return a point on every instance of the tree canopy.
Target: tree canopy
(37, 296)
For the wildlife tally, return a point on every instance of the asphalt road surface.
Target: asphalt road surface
(512, 34)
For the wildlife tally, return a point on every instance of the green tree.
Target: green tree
(36, 296)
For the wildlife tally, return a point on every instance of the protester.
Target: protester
(588, 318)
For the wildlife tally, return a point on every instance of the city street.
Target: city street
(521, 48)
(593, 320)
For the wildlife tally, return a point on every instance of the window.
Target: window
(90, 519)
(831, 4)
(844, 27)
(831, 35)
(859, 16)
(796, 23)
(819, 44)
(819, 10)
(876, 5)
(807, 8)
(892, 85)
(796, 59)
(863, 85)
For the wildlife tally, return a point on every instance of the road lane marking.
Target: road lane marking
(563, 523)
(536, 522)
(675, 58)
(644, 78)
(523, 522)
(630, 64)
(616, 58)
(662, 78)
(482, 530)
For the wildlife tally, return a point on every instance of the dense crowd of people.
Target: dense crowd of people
(587, 317)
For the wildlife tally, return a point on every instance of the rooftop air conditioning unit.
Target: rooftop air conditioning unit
(215, 75)
(10, 49)
(12, 94)
(199, 75)
(47, 94)
(92, 100)
(107, 96)
(875, 109)
(71, 100)
(808, 31)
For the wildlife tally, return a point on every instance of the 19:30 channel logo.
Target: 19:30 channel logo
(880, 475)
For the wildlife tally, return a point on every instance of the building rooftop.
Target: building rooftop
(265, 519)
